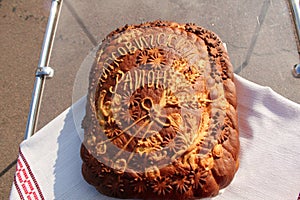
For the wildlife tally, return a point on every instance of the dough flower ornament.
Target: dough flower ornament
(138, 186)
(173, 145)
(124, 116)
(181, 184)
(198, 178)
(143, 57)
(157, 61)
(126, 96)
(161, 186)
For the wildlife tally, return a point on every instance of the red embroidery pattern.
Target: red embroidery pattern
(25, 181)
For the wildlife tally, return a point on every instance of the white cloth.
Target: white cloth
(49, 165)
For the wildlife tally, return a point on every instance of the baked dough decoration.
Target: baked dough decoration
(161, 120)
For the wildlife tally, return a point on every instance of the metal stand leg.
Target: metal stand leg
(43, 70)
(296, 12)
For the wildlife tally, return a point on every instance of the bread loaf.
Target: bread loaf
(161, 119)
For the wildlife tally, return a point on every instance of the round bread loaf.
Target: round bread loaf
(161, 120)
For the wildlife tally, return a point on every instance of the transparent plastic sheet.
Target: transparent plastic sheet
(253, 38)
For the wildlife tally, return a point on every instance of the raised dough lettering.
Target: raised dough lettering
(119, 77)
(140, 42)
(114, 57)
(130, 47)
(128, 81)
(138, 79)
(151, 78)
(172, 41)
(108, 64)
(105, 72)
(143, 78)
(161, 39)
(151, 40)
(122, 51)
(159, 76)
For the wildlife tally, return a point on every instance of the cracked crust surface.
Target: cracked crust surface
(161, 120)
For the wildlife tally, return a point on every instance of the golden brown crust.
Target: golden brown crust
(161, 118)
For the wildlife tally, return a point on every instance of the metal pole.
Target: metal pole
(43, 70)
(295, 7)
(296, 13)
